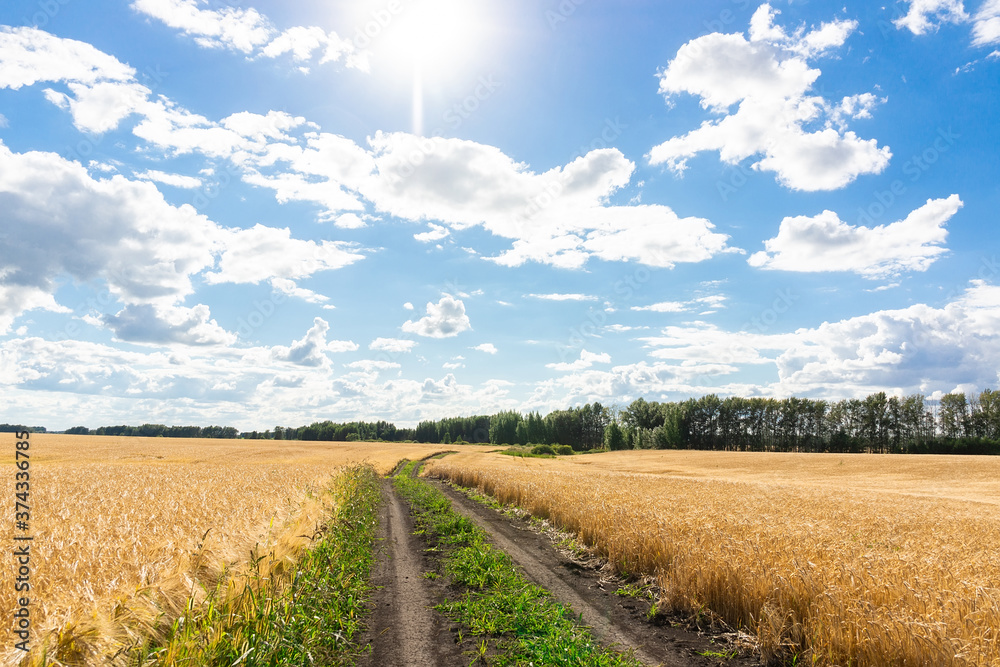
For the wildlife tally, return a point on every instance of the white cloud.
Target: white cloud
(586, 360)
(392, 345)
(444, 319)
(60, 221)
(664, 307)
(826, 243)
(350, 221)
(986, 26)
(63, 222)
(916, 349)
(712, 302)
(29, 55)
(562, 297)
(289, 287)
(100, 107)
(260, 128)
(559, 217)
(312, 349)
(264, 253)
(436, 233)
(370, 365)
(926, 15)
(165, 325)
(243, 30)
(769, 78)
(408, 306)
(174, 180)
(250, 32)
(488, 348)
(3, 121)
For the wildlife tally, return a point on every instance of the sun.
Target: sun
(433, 40)
(435, 34)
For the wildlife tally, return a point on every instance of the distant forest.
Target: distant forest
(958, 424)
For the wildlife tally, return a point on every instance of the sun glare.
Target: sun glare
(433, 39)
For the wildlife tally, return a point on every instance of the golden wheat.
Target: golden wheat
(860, 560)
(129, 531)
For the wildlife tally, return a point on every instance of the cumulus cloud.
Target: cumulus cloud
(265, 253)
(60, 221)
(826, 243)
(488, 348)
(926, 15)
(166, 325)
(916, 349)
(986, 25)
(312, 349)
(396, 345)
(445, 319)
(436, 233)
(249, 32)
(30, 55)
(769, 78)
(586, 360)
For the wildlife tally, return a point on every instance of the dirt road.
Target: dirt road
(406, 630)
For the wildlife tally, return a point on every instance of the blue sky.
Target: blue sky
(273, 213)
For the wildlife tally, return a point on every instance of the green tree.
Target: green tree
(953, 416)
(614, 439)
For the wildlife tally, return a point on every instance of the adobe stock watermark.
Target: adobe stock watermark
(47, 10)
(595, 319)
(759, 325)
(259, 314)
(563, 11)
(380, 20)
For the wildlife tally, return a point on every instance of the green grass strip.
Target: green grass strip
(521, 624)
(310, 618)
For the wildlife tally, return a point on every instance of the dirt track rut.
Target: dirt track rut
(405, 629)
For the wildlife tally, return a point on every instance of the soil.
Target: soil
(406, 630)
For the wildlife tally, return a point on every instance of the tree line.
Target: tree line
(879, 423)
(159, 431)
(876, 424)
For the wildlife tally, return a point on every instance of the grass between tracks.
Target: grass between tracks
(517, 622)
(290, 613)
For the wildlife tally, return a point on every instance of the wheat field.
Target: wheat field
(838, 560)
(128, 531)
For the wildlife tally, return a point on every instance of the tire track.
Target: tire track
(405, 629)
